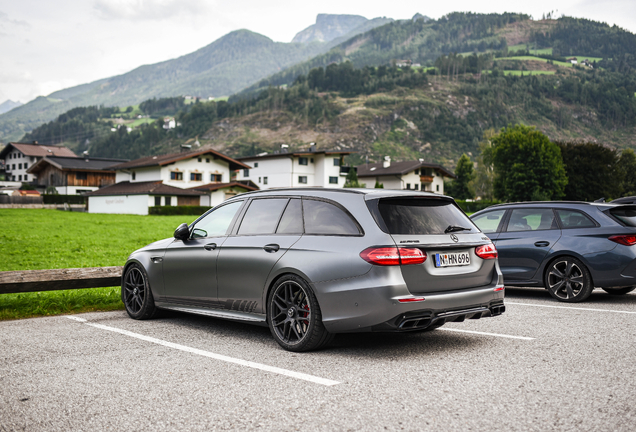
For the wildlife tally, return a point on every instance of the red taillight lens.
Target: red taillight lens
(389, 256)
(411, 256)
(627, 240)
(488, 251)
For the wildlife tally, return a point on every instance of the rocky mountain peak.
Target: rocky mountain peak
(329, 27)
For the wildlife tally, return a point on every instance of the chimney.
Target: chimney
(283, 148)
(85, 154)
(387, 162)
(312, 147)
(185, 147)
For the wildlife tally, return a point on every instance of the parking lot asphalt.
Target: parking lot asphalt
(543, 365)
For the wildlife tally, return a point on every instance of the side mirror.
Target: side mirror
(182, 232)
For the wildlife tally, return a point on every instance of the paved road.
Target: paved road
(566, 367)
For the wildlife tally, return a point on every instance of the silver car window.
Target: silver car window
(292, 220)
(217, 222)
(325, 218)
(262, 216)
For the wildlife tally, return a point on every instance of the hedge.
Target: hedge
(61, 199)
(475, 206)
(178, 210)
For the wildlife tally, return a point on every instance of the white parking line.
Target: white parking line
(487, 334)
(240, 362)
(573, 308)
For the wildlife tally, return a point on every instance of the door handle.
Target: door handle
(542, 244)
(271, 248)
(210, 246)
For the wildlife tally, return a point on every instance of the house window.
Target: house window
(26, 166)
(26, 177)
(134, 175)
(207, 160)
(157, 201)
(246, 173)
(417, 172)
(264, 180)
(168, 201)
(20, 166)
(437, 188)
(302, 161)
(259, 179)
(196, 176)
(408, 186)
(13, 166)
(333, 180)
(83, 176)
(199, 159)
(336, 161)
(255, 164)
(174, 175)
(20, 178)
(311, 160)
(416, 186)
(216, 178)
(302, 179)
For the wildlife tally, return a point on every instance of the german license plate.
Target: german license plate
(452, 259)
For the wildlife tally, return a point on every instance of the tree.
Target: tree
(592, 171)
(378, 185)
(528, 166)
(626, 169)
(352, 179)
(460, 188)
(483, 175)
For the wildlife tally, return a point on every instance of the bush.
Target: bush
(61, 199)
(178, 210)
(475, 206)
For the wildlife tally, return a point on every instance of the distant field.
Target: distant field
(44, 239)
(522, 58)
(528, 72)
(141, 121)
(544, 51)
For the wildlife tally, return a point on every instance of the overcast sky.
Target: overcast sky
(48, 45)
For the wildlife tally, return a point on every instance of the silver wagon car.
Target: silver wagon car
(310, 263)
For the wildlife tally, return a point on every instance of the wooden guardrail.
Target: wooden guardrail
(59, 279)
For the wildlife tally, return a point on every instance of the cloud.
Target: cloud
(155, 10)
(4, 19)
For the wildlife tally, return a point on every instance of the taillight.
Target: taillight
(627, 239)
(391, 256)
(487, 251)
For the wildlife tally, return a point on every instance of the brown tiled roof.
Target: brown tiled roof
(174, 157)
(74, 164)
(37, 150)
(216, 186)
(143, 188)
(398, 168)
(296, 153)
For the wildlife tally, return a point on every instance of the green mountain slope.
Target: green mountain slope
(222, 68)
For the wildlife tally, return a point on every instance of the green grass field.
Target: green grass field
(526, 73)
(46, 239)
(544, 51)
(522, 58)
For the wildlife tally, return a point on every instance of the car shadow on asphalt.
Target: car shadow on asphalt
(598, 297)
(371, 345)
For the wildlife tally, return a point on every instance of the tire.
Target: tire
(619, 291)
(568, 280)
(294, 316)
(136, 293)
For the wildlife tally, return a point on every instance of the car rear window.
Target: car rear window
(627, 215)
(422, 216)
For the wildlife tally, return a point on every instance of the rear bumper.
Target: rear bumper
(372, 303)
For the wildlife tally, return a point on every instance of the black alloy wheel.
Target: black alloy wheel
(136, 293)
(294, 316)
(568, 280)
(619, 291)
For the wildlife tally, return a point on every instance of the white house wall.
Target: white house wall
(119, 204)
(277, 170)
(18, 165)
(188, 166)
(74, 190)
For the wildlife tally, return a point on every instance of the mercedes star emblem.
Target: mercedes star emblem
(454, 238)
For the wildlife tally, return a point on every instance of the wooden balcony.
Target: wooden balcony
(426, 179)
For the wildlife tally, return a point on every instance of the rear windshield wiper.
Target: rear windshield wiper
(453, 228)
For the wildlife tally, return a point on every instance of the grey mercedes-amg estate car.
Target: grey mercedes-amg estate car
(310, 263)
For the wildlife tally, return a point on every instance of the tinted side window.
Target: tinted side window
(534, 219)
(574, 219)
(488, 222)
(292, 220)
(217, 222)
(325, 218)
(627, 215)
(262, 216)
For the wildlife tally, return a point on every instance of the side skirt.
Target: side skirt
(253, 318)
